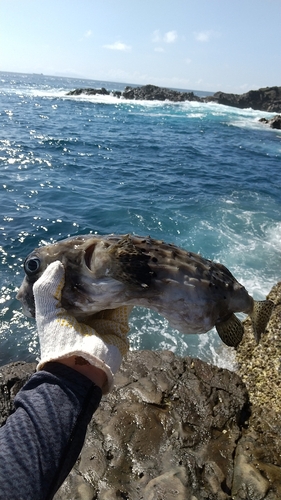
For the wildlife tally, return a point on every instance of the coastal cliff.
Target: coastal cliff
(264, 99)
(181, 428)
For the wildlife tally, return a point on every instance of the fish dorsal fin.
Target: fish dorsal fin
(260, 316)
(230, 331)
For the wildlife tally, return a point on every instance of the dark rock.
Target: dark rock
(89, 91)
(266, 99)
(257, 464)
(154, 93)
(116, 93)
(146, 92)
(274, 122)
(12, 378)
(168, 430)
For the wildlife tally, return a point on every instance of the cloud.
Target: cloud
(206, 36)
(159, 49)
(168, 37)
(118, 46)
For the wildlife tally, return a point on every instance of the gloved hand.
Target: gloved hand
(103, 342)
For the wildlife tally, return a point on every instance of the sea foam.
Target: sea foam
(205, 177)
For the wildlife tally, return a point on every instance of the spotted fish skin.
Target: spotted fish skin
(105, 272)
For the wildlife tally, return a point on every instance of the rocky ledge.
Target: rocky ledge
(274, 122)
(146, 93)
(179, 428)
(266, 99)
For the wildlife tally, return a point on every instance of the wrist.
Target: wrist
(81, 365)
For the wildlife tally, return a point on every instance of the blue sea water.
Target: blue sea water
(206, 177)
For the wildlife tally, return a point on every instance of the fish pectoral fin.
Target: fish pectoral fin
(260, 316)
(230, 331)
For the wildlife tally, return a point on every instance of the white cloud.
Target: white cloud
(88, 34)
(159, 49)
(206, 36)
(170, 36)
(118, 46)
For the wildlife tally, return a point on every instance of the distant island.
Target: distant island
(264, 99)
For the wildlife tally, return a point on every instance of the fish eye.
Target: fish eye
(32, 265)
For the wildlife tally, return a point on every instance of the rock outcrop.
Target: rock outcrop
(12, 378)
(146, 93)
(267, 99)
(168, 430)
(154, 93)
(179, 428)
(274, 122)
(91, 91)
(258, 452)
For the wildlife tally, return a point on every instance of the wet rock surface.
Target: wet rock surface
(179, 428)
(265, 99)
(168, 430)
(274, 122)
(12, 378)
(259, 449)
(146, 92)
(89, 91)
(154, 93)
(260, 365)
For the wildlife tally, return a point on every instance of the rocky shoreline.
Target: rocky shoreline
(264, 99)
(274, 122)
(181, 428)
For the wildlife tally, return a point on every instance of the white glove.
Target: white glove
(102, 342)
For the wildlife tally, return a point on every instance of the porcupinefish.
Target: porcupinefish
(104, 272)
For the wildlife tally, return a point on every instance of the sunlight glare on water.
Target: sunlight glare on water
(203, 176)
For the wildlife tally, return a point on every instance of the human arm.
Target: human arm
(41, 441)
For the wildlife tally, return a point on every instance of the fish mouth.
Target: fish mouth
(28, 311)
(27, 301)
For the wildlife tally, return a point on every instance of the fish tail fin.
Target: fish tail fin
(230, 331)
(260, 316)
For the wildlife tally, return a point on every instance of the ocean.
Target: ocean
(203, 176)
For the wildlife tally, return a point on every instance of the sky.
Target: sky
(208, 45)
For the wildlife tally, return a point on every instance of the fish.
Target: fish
(108, 271)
